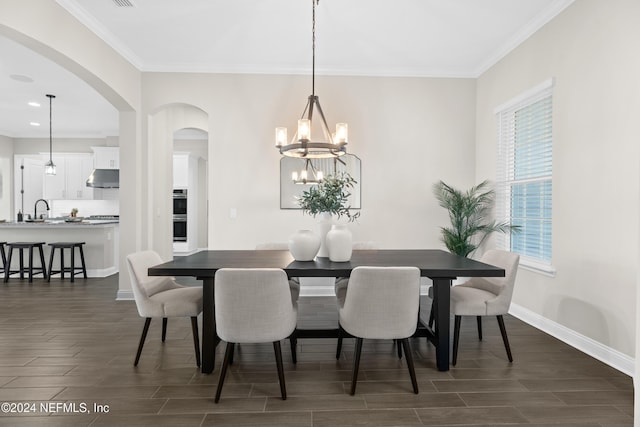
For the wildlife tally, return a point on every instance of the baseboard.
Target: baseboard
(608, 355)
(124, 295)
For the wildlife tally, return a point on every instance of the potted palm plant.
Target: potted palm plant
(469, 213)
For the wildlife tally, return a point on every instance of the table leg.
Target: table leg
(209, 337)
(441, 296)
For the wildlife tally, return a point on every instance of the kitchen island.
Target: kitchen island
(100, 250)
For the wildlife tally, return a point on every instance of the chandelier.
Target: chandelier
(50, 167)
(304, 144)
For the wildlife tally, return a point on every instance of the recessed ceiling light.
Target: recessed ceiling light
(34, 123)
(21, 78)
(33, 104)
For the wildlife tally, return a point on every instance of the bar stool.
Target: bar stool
(21, 246)
(72, 269)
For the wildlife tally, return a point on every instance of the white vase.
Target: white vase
(326, 221)
(340, 243)
(304, 245)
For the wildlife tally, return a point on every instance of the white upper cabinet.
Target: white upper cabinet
(181, 171)
(106, 157)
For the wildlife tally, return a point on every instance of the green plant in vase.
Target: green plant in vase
(328, 198)
(331, 195)
(469, 213)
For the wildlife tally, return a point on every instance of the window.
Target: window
(524, 176)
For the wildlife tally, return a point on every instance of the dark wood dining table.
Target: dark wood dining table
(440, 266)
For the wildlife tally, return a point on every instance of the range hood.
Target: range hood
(104, 178)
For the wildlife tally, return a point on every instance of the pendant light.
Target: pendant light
(50, 167)
(305, 144)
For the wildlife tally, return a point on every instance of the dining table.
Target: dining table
(440, 266)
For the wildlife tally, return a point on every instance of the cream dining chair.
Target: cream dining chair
(162, 297)
(253, 305)
(381, 303)
(485, 296)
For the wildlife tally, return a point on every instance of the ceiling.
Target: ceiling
(440, 38)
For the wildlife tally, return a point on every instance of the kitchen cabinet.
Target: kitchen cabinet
(181, 170)
(69, 182)
(106, 157)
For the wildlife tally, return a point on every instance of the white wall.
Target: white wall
(408, 132)
(6, 175)
(591, 50)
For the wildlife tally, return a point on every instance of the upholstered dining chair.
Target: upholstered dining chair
(253, 306)
(162, 297)
(380, 303)
(294, 287)
(485, 296)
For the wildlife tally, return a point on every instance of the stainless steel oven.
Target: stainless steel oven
(180, 215)
(179, 228)
(179, 202)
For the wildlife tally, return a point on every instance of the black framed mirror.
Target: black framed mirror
(297, 175)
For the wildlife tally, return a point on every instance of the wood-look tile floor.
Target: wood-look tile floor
(71, 347)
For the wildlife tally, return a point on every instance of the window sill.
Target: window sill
(538, 267)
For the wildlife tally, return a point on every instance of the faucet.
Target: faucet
(35, 207)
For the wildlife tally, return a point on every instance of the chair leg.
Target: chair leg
(164, 328)
(223, 371)
(503, 331)
(145, 329)
(277, 350)
(479, 320)
(233, 352)
(399, 348)
(356, 366)
(196, 338)
(456, 339)
(409, 357)
(294, 344)
(339, 346)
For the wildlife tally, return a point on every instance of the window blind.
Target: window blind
(524, 175)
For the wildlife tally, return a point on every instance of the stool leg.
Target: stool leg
(30, 264)
(42, 263)
(53, 250)
(7, 266)
(21, 263)
(84, 268)
(62, 263)
(72, 269)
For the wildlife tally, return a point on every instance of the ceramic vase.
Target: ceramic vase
(304, 245)
(340, 243)
(324, 225)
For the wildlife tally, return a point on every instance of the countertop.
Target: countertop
(60, 224)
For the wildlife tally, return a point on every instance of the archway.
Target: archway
(163, 124)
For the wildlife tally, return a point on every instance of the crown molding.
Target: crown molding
(525, 32)
(98, 29)
(114, 42)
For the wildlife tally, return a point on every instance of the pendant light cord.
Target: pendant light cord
(313, 48)
(50, 129)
